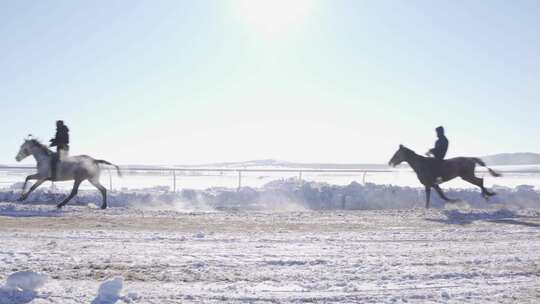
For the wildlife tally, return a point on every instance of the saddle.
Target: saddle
(436, 166)
(55, 159)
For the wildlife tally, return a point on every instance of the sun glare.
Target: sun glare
(274, 17)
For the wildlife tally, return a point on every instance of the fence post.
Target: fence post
(174, 181)
(300, 176)
(364, 178)
(239, 179)
(110, 179)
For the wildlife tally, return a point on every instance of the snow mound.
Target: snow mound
(21, 287)
(26, 280)
(287, 195)
(109, 292)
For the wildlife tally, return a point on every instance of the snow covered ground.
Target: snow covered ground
(278, 239)
(128, 255)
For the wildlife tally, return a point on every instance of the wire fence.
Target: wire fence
(176, 178)
(141, 177)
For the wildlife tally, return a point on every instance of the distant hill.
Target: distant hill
(503, 159)
(512, 159)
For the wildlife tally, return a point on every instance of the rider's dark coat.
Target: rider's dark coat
(61, 139)
(441, 147)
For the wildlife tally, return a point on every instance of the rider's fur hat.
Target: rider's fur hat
(440, 130)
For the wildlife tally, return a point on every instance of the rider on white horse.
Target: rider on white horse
(77, 168)
(61, 141)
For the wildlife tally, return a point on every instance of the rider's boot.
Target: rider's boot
(54, 164)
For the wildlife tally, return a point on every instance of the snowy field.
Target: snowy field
(380, 256)
(278, 239)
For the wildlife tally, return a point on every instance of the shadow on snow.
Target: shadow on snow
(502, 216)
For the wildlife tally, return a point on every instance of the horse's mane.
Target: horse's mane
(411, 152)
(41, 146)
(408, 150)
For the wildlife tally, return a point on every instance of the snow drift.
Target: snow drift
(109, 292)
(285, 195)
(21, 287)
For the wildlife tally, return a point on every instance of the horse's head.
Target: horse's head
(25, 150)
(399, 156)
(32, 146)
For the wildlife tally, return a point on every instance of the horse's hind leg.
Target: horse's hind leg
(71, 195)
(480, 183)
(101, 189)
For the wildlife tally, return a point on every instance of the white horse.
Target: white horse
(78, 168)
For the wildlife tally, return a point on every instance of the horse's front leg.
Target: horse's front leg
(34, 186)
(29, 177)
(443, 196)
(428, 196)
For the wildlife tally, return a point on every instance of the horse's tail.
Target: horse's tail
(101, 161)
(483, 164)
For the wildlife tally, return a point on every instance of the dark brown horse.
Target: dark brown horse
(451, 168)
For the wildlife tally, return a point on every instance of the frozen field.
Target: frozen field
(380, 256)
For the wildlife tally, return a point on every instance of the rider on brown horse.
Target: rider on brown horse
(439, 151)
(61, 141)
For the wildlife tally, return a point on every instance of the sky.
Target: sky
(342, 81)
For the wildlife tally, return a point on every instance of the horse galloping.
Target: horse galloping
(78, 168)
(451, 168)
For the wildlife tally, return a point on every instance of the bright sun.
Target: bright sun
(274, 17)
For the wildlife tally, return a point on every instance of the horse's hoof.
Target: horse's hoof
(20, 199)
(58, 207)
(103, 207)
